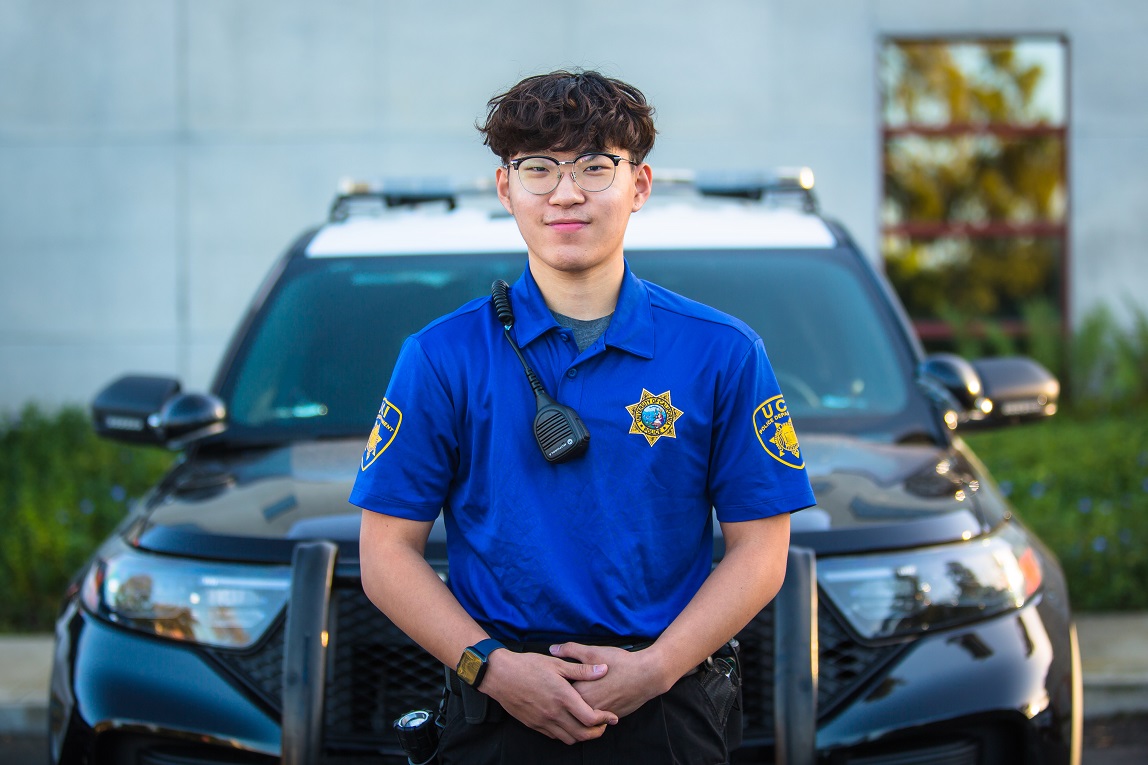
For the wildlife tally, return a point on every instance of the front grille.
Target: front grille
(376, 673)
(843, 666)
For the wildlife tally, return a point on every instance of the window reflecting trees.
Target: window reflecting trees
(975, 201)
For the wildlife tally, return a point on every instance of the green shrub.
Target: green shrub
(1108, 363)
(62, 490)
(1045, 337)
(1081, 483)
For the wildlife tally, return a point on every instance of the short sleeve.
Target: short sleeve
(756, 468)
(411, 453)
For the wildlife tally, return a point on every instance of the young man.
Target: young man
(581, 609)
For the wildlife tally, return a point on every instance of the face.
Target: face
(573, 231)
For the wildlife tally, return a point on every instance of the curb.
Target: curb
(1114, 654)
(25, 674)
(1111, 695)
(24, 719)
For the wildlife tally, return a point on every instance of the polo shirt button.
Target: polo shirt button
(572, 373)
(564, 338)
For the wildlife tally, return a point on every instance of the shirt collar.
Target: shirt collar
(631, 329)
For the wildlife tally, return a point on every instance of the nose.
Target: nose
(566, 189)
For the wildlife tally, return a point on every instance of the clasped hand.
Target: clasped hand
(575, 693)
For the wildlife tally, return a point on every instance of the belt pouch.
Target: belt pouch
(730, 656)
(474, 704)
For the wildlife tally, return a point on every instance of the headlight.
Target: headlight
(219, 604)
(895, 594)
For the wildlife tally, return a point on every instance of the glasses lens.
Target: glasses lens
(538, 175)
(595, 172)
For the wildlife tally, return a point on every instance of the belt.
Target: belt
(543, 647)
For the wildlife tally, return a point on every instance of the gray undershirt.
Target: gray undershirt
(585, 332)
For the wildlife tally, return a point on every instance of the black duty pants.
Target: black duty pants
(685, 726)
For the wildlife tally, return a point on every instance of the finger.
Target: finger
(588, 734)
(593, 718)
(584, 715)
(577, 732)
(587, 654)
(583, 672)
(590, 656)
(569, 729)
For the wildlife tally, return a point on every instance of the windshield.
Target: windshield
(316, 360)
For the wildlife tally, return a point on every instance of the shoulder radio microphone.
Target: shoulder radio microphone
(559, 431)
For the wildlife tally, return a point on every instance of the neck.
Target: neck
(584, 295)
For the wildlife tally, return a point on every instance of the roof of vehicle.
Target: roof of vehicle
(683, 215)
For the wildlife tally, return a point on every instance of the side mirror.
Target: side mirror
(127, 409)
(1021, 389)
(190, 417)
(141, 409)
(961, 391)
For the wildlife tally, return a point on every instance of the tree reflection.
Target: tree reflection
(975, 197)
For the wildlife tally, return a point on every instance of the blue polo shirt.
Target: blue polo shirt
(684, 415)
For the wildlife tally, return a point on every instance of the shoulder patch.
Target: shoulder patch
(387, 423)
(774, 429)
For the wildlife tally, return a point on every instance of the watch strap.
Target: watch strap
(472, 665)
(484, 648)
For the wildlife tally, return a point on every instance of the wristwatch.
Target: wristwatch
(472, 666)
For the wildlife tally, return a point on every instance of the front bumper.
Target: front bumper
(1005, 690)
(113, 690)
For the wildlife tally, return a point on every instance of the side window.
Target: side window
(974, 214)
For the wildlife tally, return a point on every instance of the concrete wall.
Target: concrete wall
(157, 155)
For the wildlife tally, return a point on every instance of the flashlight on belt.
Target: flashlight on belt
(418, 736)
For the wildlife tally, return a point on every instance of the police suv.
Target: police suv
(225, 622)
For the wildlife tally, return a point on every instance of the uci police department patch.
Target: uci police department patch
(775, 431)
(387, 423)
(654, 416)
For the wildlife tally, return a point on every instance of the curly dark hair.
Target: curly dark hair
(569, 111)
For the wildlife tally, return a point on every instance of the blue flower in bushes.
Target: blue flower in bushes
(1099, 544)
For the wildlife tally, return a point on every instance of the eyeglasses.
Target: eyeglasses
(592, 172)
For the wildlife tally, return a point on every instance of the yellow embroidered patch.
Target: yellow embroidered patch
(774, 429)
(654, 416)
(387, 423)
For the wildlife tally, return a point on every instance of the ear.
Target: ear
(502, 184)
(643, 185)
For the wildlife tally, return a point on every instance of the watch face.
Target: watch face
(469, 666)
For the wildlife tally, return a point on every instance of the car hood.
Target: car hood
(256, 505)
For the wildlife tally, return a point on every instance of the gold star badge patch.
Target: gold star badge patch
(654, 416)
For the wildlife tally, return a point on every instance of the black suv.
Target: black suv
(224, 621)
